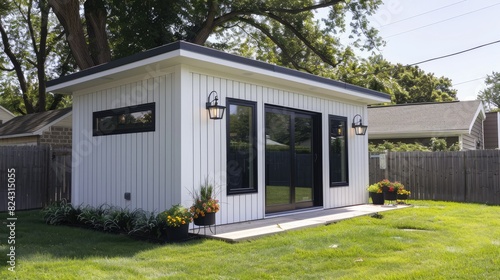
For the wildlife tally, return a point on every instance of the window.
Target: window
(131, 119)
(241, 147)
(338, 151)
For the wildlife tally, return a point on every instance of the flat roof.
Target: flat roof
(67, 84)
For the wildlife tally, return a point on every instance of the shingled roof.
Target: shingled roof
(32, 124)
(423, 119)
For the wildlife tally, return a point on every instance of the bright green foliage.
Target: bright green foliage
(405, 84)
(491, 95)
(436, 144)
(432, 240)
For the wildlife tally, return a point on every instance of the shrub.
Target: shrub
(61, 212)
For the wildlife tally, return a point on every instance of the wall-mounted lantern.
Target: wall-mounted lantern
(359, 128)
(340, 130)
(215, 111)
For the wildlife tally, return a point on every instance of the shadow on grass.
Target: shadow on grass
(34, 238)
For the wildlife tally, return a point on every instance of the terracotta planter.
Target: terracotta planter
(377, 198)
(207, 220)
(175, 234)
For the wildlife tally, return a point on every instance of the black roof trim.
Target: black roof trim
(182, 45)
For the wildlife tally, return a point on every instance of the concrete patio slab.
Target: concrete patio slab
(280, 223)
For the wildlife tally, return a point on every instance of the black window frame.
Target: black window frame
(253, 105)
(346, 151)
(130, 128)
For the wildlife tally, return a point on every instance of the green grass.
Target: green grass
(433, 240)
(276, 195)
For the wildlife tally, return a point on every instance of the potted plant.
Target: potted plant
(205, 205)
(176, 221)
(376, 194)
(391, 190)
(403, 194)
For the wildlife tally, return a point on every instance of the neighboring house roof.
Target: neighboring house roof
(5, 114)
(32, 124)
(174, 54)
(441, 119)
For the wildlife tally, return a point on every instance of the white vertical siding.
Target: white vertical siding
(105, 167)
(209, 144)
(163, 167)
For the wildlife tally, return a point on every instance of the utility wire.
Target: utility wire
(457, 53)
(428, 12)
(470, 81)
(432, 59)
(411, 30)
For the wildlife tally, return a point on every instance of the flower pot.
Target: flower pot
(402, 196)
(175, 234)
(377, 198)
(207, 220)
(390, 195)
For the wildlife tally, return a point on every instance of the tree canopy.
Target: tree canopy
(63, 36)
(31, 41)
(491, 95)
(405, 84)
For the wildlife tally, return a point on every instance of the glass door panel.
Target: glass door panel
(291, 159)
(304, 160)
(278, 161)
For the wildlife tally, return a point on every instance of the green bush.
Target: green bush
(106, 218)
(61, 212)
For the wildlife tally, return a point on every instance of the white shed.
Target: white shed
(142, 136)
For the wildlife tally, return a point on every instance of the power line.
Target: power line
(428, 12)
(411, 30)
(432, 59)
(457, 53)
(469, 81)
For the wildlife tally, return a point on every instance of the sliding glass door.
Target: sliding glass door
(292, 159)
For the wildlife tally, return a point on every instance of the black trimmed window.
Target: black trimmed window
(241, 125)
(337, 148)
(131, 119)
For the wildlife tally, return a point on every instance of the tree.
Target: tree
(285, 27)
(29, 38)
(491, 95)
(405, 84)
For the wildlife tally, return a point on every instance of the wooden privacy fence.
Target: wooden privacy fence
(42, 175)
(467, 176)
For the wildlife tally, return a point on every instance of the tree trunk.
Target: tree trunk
(68, 13)
(17, 67)
(41, 56)
(95, 15)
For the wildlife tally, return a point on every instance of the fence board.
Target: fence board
(468, 176)
(43, 175)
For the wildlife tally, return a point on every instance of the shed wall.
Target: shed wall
(209, 143)
(106, 167)
(162, 168)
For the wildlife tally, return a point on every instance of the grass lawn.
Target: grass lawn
(433, 240)
(276, 195)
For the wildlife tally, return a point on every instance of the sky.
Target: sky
(415, 31)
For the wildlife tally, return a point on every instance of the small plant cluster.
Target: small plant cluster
(136, 223)
(204, 201)
(388, 186)
(176, 216)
